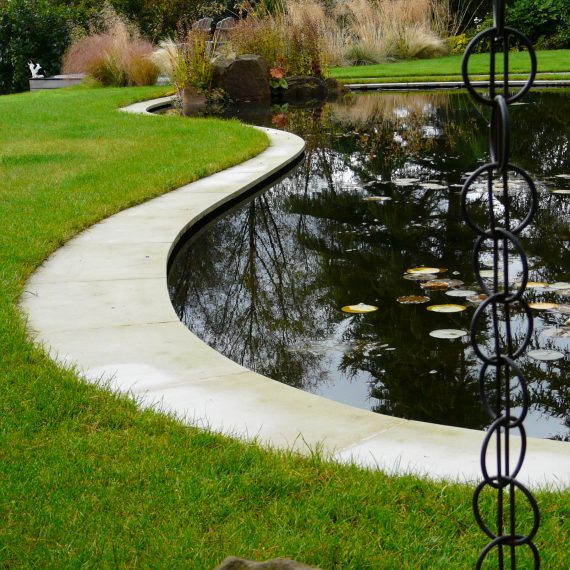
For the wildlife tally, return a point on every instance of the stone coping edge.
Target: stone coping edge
(101, 303)
(429, 85)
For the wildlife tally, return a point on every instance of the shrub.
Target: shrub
(33, 29)
(187, 61)
(112, 53)
(545, 22)
(457, 44)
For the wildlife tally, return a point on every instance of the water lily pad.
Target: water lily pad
(489, 273)
(541, 306)
(419, 276)
(406, 181)
(477, 298)
(432, 186)
(533, 284)
(559, 285)
(544, 354)
(426, 270)
(435, 285)
(412, 299)
(376, 198)
(448, 333)
(360, 308)
(447, 308)
(461, 293)
(560, 191)
(450, 282)
(562, 332)
(563, 292)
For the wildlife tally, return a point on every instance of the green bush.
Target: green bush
(34, 29)
(545, 22)
(457, 44)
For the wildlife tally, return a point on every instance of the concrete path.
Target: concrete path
(101, 302)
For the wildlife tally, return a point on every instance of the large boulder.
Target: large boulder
(233, 563)
(244, 78)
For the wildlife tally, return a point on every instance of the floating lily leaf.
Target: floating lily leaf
(412, 299)
(426, 270)
(559, 285)
(449, 282)
(543, 306)
(545, 354)
(432, 186)
(360, 308)
(435, 285)
(406, 181)
(563, 332)
(376, 198)
(448, 308)
(533, 284)
(563, 292)
(560, 191)
(477, 298)
(461, 293)
(489, 273)
(448, 333)
(419, 276)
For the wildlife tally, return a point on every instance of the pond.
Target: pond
(378, 194)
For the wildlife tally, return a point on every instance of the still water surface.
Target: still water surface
(377, 194)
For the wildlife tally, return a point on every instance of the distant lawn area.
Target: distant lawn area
(88, 480)
(553, 64)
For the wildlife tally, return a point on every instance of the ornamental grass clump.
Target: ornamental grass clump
(312, 34)
(112, 52)
(382, 30)
(186, 61)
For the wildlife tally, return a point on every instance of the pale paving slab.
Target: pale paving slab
(101, 303)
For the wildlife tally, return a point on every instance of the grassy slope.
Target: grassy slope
(449, 68)
(87, 480)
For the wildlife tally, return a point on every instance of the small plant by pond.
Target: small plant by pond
(352, 278)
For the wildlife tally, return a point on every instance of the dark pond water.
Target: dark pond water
(378, 194)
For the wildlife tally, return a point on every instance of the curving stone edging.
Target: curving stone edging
(101, 302)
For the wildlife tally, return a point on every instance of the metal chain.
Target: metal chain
(500, 375)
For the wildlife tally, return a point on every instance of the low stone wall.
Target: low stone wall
(55, 82)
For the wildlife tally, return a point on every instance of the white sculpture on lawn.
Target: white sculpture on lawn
(36, 69)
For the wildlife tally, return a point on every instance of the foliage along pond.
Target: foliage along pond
(376, 197)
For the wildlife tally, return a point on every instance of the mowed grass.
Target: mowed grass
(554, 64)
(87, 480)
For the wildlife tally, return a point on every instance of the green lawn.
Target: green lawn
(551, 64)
(89, 481)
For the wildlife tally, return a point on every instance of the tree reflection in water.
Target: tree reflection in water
(264, 284)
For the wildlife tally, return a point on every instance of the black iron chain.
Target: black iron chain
(500, 376)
